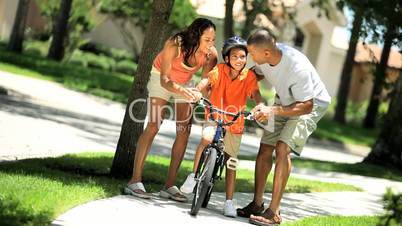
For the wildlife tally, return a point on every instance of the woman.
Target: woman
(182, 55)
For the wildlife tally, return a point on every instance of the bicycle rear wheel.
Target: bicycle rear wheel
(204, 179)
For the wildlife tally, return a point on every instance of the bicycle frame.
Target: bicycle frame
(206, 178)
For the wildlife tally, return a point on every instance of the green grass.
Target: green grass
(35, 191)
(362, 169)
(111, 85)
(327, 129)
(336, 221)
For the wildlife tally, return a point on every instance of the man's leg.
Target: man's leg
(263, 167)
(283, 166)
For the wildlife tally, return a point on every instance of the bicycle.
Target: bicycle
(212, 158)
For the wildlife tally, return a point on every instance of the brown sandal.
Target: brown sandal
(251, 208)
(268, 218)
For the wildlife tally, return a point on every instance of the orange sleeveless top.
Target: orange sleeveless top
(180, 72)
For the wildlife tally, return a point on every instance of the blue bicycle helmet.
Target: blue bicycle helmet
(233, 42)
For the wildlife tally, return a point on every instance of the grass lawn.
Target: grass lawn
(347, 134)
(111, 85)
(336, 221)
(35, 191)
(362, 169)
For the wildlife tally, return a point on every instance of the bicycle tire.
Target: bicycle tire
(205, 172)
(207, 197)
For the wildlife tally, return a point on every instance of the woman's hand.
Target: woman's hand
(191, 94)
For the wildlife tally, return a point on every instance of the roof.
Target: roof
(370, 53)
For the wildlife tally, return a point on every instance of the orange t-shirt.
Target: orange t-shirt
(180, 72)
(231, 95)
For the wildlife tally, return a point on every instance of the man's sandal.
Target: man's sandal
(173, 193)
(251, 208)
(138, 190)
(268, 218)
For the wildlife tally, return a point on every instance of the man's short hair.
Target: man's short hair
(262, 38)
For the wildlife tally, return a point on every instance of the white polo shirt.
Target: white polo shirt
(294, 78)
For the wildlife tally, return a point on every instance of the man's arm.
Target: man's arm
(261, 112)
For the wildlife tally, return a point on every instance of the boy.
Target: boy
(230, 84)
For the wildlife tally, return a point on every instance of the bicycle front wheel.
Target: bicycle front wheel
(204, 179)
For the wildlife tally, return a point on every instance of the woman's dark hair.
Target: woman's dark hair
(190, 38)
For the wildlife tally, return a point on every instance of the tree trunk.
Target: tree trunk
(60, 31)
(380, 74)
(229, 19)
(388, 148)
(344, 85)
(250, 17)
(131, 129)
(17, 34)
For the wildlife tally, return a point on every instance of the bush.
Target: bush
(120, 54)
(126, 67)
(99, 49)
(36, 48)
(78, 59)
(100, 62)
(393, 208)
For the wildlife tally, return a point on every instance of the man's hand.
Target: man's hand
(261, 112)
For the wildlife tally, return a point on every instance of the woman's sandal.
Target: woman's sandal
(138, 190)
(268, 218)
(173, 193)
(251, 208)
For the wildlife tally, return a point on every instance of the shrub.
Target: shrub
(393, 208)
(78, 58)
(126, 67)
(100, 62)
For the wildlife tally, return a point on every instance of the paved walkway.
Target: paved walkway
(40, 118)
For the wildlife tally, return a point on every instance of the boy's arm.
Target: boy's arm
(256, 96)
(258, 73)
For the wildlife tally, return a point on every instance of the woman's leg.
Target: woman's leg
(183, 129)
(144, 143)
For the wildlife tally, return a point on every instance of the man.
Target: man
(301, 101)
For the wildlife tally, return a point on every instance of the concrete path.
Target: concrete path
(40, 118)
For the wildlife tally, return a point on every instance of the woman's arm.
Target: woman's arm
(169, 52)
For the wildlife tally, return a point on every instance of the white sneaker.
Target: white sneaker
(229, 210)
(189, 184)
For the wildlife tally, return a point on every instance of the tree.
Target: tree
(385, 24)
(252, 9)
(380, 74)
(128, 14)
(125, 151)
(81, 19)
(228, 19)
(60, 31)
(387, 149)
(17, 34)
(346, 76)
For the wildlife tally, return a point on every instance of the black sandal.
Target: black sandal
(251, 208)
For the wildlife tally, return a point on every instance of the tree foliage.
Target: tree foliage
(183, 12)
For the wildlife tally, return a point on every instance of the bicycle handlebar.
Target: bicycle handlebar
(204, 102)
